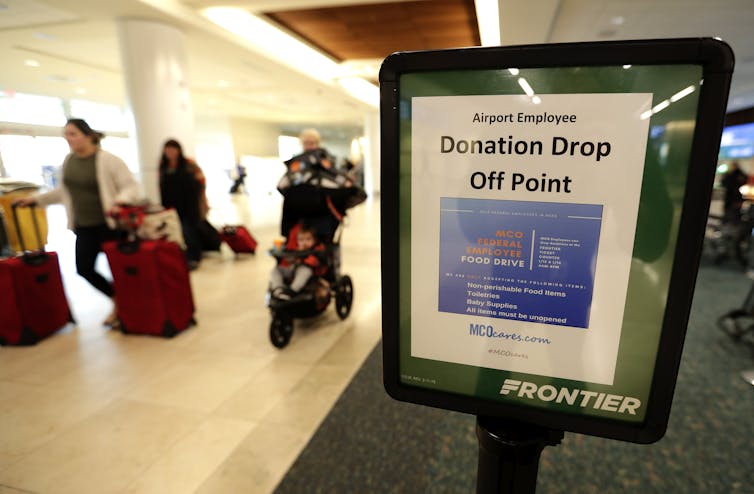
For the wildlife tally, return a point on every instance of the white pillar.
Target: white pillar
(155, 70)
(372, 154)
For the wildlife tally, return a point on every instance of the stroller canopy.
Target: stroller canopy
(314, 190)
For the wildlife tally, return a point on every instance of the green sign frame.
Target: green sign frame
(682, 142)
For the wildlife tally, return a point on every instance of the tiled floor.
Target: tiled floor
(216, 410)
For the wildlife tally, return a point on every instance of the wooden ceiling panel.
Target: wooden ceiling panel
(376, 30)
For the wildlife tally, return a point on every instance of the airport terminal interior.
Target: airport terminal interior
(218, 408)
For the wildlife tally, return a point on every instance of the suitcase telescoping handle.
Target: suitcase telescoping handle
(14, 208)
(128, 219)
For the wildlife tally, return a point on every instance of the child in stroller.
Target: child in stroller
(316, 197)
(294, 271)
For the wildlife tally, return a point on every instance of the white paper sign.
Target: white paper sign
(522, 228)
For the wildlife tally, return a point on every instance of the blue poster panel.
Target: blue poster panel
(519, 260)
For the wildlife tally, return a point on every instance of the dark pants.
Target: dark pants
(191, 237)
(89, 240)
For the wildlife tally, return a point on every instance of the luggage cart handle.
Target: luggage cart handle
(14, 208)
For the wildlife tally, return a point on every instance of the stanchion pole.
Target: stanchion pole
(509, 454)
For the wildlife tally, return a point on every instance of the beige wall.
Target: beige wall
(254, 138)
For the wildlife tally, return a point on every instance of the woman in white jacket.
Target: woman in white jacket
(93, 183)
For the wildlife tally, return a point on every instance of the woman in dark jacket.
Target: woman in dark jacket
(182, 185)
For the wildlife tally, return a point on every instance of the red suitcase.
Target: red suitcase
(11, 326)
(239, 239)
(33, 303)
(152, 287)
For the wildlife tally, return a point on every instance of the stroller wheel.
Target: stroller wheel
(281, 331)
(343, 296)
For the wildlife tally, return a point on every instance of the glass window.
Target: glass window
(33, 159)
(214, 155)
(288, 147)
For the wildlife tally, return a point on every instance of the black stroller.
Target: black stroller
(315, 195)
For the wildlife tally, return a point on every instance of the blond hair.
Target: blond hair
(311, 133)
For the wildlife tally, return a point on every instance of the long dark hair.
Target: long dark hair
(84, 128)
(164, 159)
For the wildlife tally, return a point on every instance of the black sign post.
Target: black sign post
(509, 455)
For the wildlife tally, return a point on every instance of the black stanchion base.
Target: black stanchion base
(509, 454)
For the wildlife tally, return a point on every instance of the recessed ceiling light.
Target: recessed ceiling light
(31, 63)
(618, 20)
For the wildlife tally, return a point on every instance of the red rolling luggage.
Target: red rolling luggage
(152, 287)
(11, 326)
(239, 239)
(32, 299)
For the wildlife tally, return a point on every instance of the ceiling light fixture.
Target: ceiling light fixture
(80, 90)
(627, 66)
(32, 63)
(273, 42)
(513, 71)
(488, 21)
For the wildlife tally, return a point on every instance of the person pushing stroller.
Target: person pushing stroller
(316, 196)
